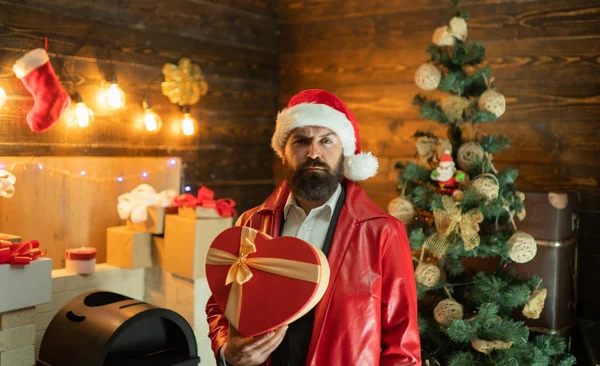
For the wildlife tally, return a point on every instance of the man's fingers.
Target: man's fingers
(276, 340)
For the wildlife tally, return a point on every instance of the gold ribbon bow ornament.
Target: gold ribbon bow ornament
(184, 83)
(450, 221)
(240, 273)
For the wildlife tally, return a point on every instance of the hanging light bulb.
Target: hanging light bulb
(83, 115)
(2, 97)
(152, 121)
(188, 124)
(114, 97)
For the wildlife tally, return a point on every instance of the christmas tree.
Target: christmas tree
(468, 315)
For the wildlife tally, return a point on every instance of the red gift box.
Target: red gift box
(261, 283)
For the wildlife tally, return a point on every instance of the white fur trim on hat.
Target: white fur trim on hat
(445, 164)
(312, 114)
(31, 61)
(361, 166)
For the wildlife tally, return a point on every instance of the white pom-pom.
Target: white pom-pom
(427, 77)
(360, 166)
(493, 102)
(442, 37)
(459, 28)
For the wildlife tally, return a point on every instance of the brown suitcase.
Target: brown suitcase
(550, 215)
(555, 263)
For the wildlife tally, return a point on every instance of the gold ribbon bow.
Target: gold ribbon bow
(239, 271)
(449, 222)
(184, 83)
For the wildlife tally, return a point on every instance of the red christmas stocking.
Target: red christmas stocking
(51, 100)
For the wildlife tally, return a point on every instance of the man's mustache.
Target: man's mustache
(314, 164)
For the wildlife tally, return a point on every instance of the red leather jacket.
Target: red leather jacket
(368, 316)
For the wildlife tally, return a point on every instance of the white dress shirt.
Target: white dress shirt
(312, 228)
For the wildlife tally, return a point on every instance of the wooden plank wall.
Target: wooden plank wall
(61, 208)
(234, 42)
(545, 56)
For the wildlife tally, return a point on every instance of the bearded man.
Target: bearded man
(368, 315)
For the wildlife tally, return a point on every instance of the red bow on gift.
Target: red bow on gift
(20, 253)
(205, 198)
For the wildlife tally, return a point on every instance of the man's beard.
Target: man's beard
(310, 185)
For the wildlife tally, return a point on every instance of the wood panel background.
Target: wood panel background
(59, 207)
(234, 42)
(545, 55)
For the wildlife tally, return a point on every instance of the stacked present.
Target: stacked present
(26, 282)
(144, 210)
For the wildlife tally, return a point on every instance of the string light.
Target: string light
(82, 114)
(113, 97)
(188, 188)
(3, 97)
(84, 174)
(188, 124)
(152, 121)
(172, 162)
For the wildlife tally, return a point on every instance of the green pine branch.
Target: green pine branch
(430, 109)
(495, 143)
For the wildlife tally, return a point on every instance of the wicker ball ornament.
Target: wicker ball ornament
(443, 37)
(427, 77)
(402, 209)
(521, 247)
(469, 155)
(493, 102)
(447, 310)
(428, 274)
(486, 186)
(454, 107)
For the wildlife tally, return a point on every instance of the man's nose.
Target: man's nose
(314, 151)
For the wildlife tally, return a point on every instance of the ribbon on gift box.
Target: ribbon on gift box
(239, 271)
(20, 253)
(134, 205)
(205, 199)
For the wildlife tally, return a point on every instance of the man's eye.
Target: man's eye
(327, 141)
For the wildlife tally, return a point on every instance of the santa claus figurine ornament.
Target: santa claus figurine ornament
(51, 100)
(447, 176)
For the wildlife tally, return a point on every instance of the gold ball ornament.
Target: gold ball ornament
(487, 185)
(454, 107)
(427, 77)
(447, 310)
(428, 274)
(493, 102)
(469, 154)
(402, 209)
(521, 247)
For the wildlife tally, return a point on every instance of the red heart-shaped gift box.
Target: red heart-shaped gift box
(261, 283)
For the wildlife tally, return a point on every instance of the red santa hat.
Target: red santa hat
(316, 107)
(446, 160)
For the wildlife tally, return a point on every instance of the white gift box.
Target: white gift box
(24, 286)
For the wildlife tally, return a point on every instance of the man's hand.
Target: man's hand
(251, 351)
